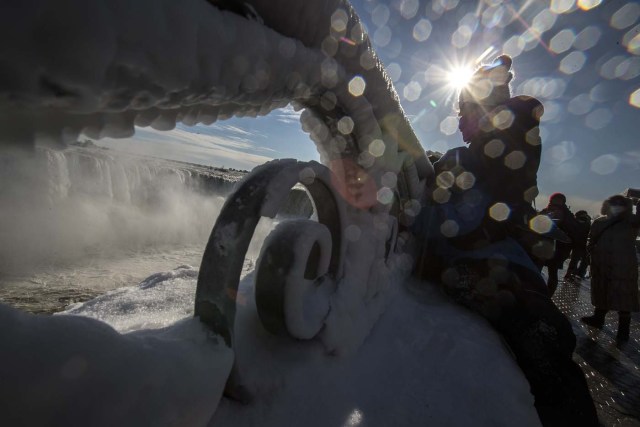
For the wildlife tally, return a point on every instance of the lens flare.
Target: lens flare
(459, 77)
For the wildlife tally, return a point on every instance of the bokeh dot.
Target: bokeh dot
(541, 224)
(339, 21)
(588, 4)
(465, 180)
(412, 91)
(544, 21)
(634, 98)
(441, 195)
(380, 15)
(580, 105)
(629, 68)
(377, 148)
(422, 30)
(382, 36)
(605, 164)
(494, 148)
(611, 68)
(503, 120)
(385, 195)
(587, 38)
(394, 71)
(445, 179)
(366, 160)
(626, 16)
(449, 125)
(499, 211)
(515, 160)
(513, 47)
(562, 41)
(357, 86)
(562, 6)
(345, 125)
(562, 152)
(598, 119)
(633, 46)
(461, 37)
(367, 59)
(573, 62)
(412, 207)
(389, 179)
(409, 8)
(449, 228)
(533, 137)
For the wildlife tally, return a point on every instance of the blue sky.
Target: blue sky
(580, 58)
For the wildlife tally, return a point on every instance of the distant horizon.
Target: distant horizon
(575, 203)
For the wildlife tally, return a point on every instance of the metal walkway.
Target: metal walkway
(612, 370)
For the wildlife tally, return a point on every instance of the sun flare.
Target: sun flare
(459, 77)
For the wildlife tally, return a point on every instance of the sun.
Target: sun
(459, 77)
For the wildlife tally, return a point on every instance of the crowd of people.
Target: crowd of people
(608, 248)
(487, 245)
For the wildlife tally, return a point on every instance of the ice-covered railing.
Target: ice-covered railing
(102, 67)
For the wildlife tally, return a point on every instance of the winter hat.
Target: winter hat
(557, 198)
(489, 85)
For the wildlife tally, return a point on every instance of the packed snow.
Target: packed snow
(76, 371)
(427, 361)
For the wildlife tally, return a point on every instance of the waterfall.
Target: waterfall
(124, 178)
(65, 205)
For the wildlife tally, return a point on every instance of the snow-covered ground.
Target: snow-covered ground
(427, 361)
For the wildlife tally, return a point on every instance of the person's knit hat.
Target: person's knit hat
(558, 197)
(489, 85)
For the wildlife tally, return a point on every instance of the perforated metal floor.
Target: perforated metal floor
(612, 370)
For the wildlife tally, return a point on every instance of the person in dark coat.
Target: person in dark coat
(559, 212)
(482, 192)
(614, 264)
(579, 260)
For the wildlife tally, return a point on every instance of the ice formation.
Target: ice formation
(100, 68)
(426, 360)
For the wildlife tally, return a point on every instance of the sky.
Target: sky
(580, 58)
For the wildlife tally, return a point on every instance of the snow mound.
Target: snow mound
(77, 371)
(427, 361)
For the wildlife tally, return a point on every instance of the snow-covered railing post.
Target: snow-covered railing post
(262, 193)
